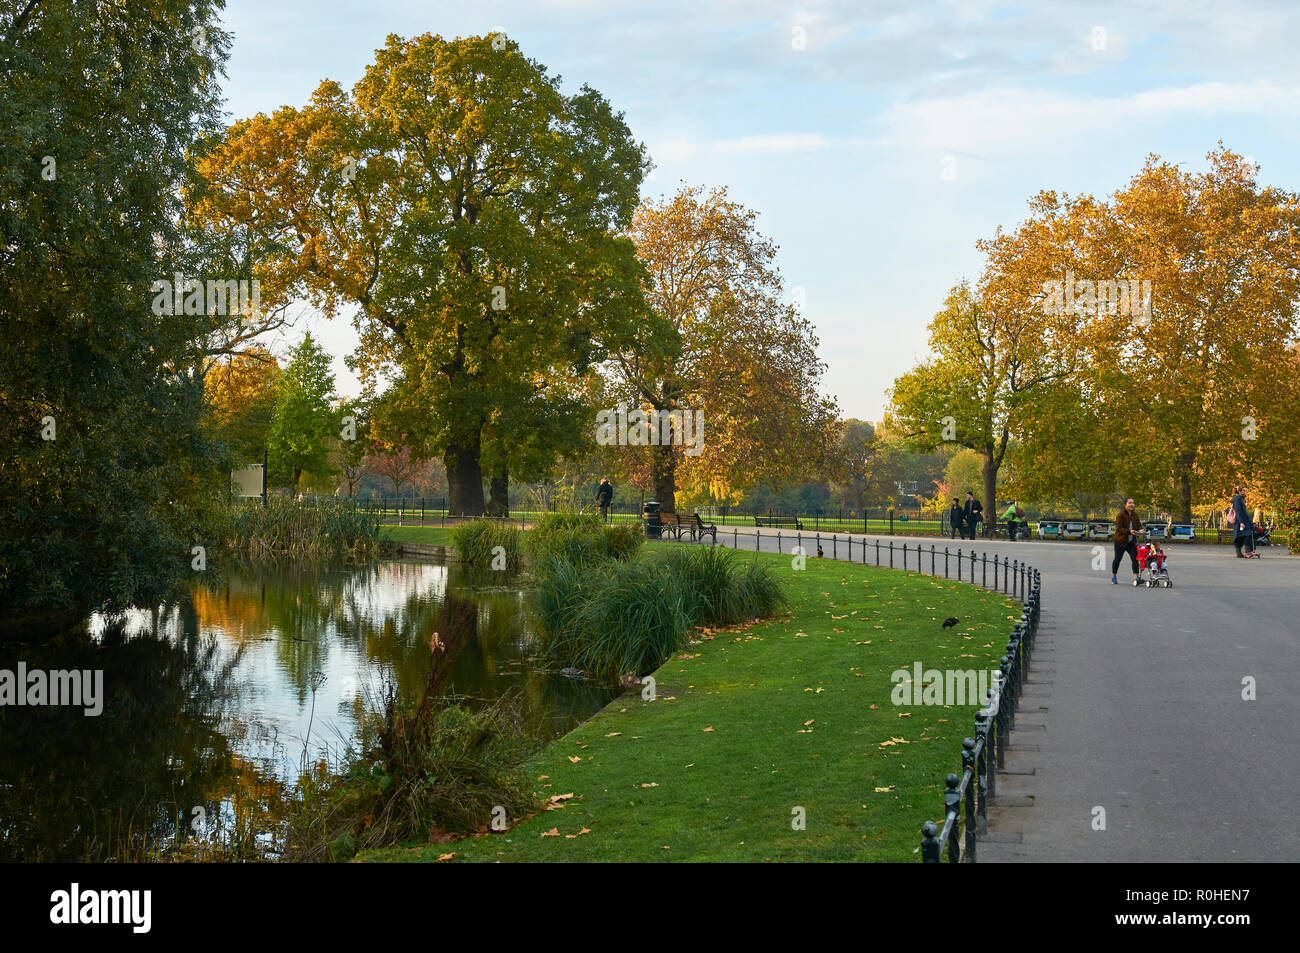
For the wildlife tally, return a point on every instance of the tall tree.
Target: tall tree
(1222, 255)
(306, 425)
(991, 356)
(103, 467)
(729, 348)
(240, 393)
(467, 207)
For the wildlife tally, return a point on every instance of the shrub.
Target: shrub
(580, 538)
(476, 540)
(610, 618)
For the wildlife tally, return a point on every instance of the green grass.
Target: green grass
(789, 704)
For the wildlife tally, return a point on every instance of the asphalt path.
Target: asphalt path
(1135, 706)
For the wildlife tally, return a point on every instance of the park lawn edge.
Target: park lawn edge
(754, 731)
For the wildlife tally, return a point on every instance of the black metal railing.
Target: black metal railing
(966, 798)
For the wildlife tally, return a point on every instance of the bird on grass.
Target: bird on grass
(819, 551)
(949, 623)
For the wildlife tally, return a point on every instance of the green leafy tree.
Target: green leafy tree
(103, 467)
(469, 209)
(306, 425)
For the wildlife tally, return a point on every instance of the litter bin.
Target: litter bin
(650, 513)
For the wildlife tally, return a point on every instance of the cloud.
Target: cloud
(1002, 122)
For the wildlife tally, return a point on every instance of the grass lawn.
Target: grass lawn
(748, 726)
(435, 535)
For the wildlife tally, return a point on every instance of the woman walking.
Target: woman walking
(957, 519)
(1127, 526)
(1243, 529)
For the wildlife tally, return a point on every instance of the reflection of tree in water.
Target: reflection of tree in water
(74, 787)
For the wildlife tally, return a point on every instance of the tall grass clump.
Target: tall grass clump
(580, 538)
(476, 541)
(613, 617)
(313, 529)
(431, 769)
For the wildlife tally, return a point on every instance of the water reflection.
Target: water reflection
(212, 703)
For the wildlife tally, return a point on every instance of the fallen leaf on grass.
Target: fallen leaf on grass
(613, 733)
(553, 832)
(447, 856)
(585, 830)
(574, 758)
(884, 790)
(710, 728)
(809, 722)
(557, 798)
(651, 784)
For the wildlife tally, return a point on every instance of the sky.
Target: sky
(877, 141)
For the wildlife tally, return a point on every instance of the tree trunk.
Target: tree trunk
(293, 487)
(464, 479)
(499, 500)
(990, 492)
(1185, 461)
(665, 478)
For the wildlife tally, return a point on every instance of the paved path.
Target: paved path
(1135, 706)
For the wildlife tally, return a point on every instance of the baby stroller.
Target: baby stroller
(1151, 567)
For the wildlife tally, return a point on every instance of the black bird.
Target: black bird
(949, 623)
(819, 551)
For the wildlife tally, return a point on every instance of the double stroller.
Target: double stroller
(1151, 567)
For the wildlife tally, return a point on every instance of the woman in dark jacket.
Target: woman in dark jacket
(1243, 530)
(957, 519)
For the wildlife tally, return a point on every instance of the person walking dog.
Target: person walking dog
(1243, 528)
(604, 496)
(1127, 526)
(956, 519)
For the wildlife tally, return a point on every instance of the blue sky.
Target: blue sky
(878, 141)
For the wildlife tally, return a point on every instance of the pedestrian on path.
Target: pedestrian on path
(972, 514)
(604, 496)
(1012, 515)
(1243, 529)
(957, 519)
(1127, 526)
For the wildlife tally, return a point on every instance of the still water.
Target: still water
(211, 705)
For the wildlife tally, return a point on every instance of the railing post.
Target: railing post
(982, 766)
(952, 808)
(968, 769)
(891, 554)
(929, 838)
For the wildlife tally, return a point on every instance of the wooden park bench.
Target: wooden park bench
(776, 522)
(677, 524)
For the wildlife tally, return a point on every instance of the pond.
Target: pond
(211, 705)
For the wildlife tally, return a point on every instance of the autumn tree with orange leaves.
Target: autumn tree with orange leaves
(730, 347)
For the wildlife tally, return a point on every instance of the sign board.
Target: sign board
(247, 482)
